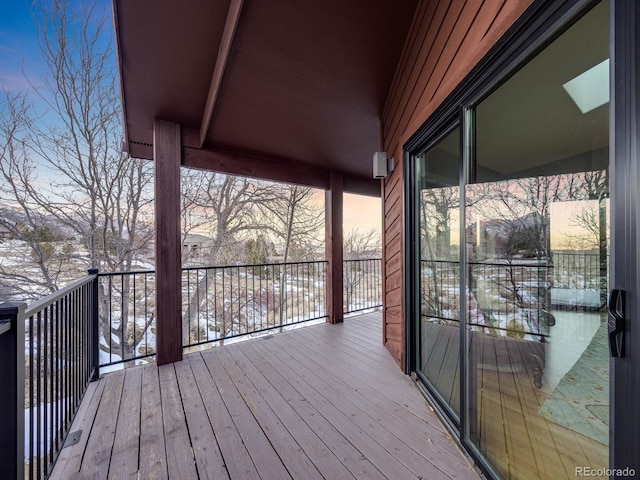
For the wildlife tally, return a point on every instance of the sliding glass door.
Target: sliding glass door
(537, 202)
(511, 219)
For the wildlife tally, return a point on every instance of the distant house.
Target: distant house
(196, 248)
(5, 233)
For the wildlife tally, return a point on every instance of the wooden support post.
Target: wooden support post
(333, 247)
(167, 156)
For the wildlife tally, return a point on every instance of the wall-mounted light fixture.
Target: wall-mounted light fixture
(382, 165)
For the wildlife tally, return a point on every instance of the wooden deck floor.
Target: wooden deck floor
(324, 401)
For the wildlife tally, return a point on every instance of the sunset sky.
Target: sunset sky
(364, 213)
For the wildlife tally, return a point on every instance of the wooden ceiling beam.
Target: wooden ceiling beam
(233, 16)
(248, 166)
(272, 169)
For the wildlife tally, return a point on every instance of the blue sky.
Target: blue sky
(20, 58)
(19, 44)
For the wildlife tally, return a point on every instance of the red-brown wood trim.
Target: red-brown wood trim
(166, 153)
(448, 14)
(441, 71)
(408, 50)
(247, 166)
(362, 186)
(392, 263)
(233, 16)
(333, 247)
(277, 170)
(426, 12)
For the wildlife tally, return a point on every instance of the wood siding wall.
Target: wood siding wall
(446, 40)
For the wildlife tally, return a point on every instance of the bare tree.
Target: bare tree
(16, 192)
(227, 208)
(362, 274)
(102, 194)
(436, 205)
(194, 217)
(232, 211)
(87, 187)
(294, 219)
(99, 192)
(359, 244)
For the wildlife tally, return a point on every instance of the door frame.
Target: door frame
(537, 27)
(625, 221)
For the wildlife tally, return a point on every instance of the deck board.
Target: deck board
(391, 412)
(180, 459)
(236, 457)
(291, 454)
(102, 436)
(209, 460)
(323, 401)
(153, 457)
(324, 459)
(124, 457)
(71, 457)
(365, 363)
(345, 423)
(263, 455)
(353, 459)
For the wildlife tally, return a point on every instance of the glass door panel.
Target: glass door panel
(538, 354)
(439, 246)
(536, 223)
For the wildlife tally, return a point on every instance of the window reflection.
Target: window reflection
(537, 252)
(439, 207)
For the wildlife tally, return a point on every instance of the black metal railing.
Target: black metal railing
(127, 316)
(510, 297)
(48, 358)
(440, 290)
(362, 284)
(219, 303)
(579, 271)
(227, 302)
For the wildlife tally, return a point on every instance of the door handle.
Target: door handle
(616, 322)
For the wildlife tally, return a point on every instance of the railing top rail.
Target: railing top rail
(128, 272)
(450, 263)
(579, 254)
(276, 264)
(249, 265)
(50, 299)
(507, 263)
(492, 264)
(361, 259)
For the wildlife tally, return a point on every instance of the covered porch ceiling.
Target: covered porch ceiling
(287, 90)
